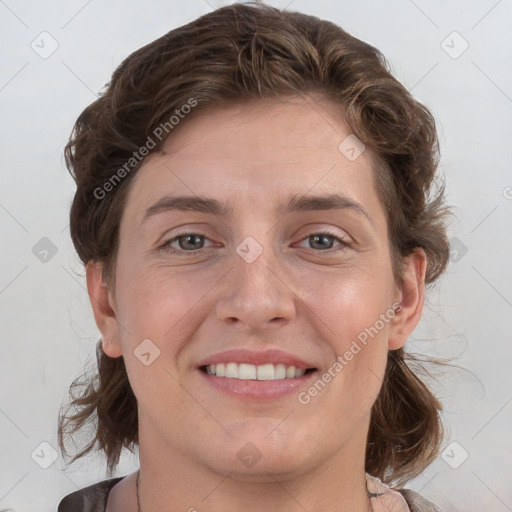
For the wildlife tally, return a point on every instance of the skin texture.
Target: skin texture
(299, 296)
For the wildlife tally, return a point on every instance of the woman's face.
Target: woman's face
(276, 278)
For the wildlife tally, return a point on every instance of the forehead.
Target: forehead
(259, 154)
(263, 130)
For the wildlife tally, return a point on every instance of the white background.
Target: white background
(48, 330)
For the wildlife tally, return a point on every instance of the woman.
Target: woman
(256, 215)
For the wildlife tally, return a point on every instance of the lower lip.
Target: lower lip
(261, 390)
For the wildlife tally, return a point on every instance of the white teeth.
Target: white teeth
(246, 371)
(265, 372)
(280, 371)
(232, 370)
(290, 372)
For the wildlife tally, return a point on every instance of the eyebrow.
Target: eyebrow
(213, 206)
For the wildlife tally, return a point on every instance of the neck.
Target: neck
(338, 484)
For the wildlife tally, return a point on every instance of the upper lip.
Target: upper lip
(273, 356)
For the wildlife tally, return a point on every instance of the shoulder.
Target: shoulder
(89, 499)
(387, 497)
(418, 503)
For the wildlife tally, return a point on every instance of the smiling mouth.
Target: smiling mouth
(244, 371)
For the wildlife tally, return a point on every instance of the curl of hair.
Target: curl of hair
(254, 52)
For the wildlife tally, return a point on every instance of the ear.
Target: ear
(411, 298)
(103, 306)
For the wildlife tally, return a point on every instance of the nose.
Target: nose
(256, 294)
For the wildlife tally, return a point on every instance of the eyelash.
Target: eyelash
(166, 246)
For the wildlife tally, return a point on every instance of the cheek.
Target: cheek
(159, 301)
(348, 388)
(349, 302)
(354, 317)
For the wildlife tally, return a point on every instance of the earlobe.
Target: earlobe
(103, 306)
(412, 296)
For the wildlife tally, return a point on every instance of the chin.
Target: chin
(268, 468)
(252, 453)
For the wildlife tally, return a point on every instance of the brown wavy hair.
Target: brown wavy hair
(247, 52)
